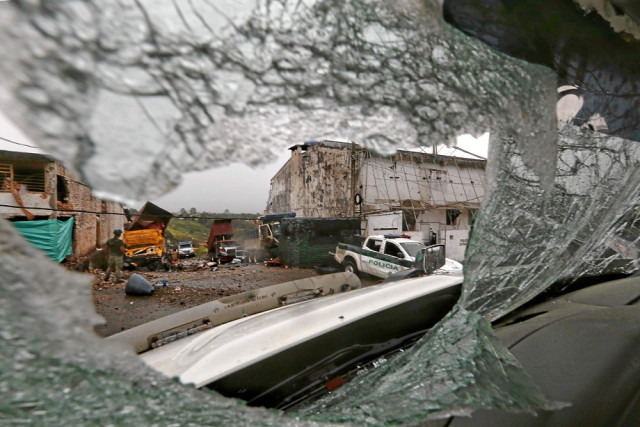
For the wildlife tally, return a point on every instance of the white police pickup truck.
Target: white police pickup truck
(383, 255)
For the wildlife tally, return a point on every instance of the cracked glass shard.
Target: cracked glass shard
(187, 85)
(183, 85)
(582, 228)
(524, 242)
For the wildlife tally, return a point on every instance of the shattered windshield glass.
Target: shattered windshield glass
(129, 93)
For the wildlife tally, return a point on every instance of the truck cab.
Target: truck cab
(228, 250)
(386, 255)
(185, 249)
(144, 248)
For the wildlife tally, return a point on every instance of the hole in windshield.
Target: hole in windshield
(131, 95)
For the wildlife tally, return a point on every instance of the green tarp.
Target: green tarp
(53, 236)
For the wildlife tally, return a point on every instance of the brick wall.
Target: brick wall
(93, 227)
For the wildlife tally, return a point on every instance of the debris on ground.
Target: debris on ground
(211, 265)
(186, 288)
(163, 283)
(274, 262)
(138, 285)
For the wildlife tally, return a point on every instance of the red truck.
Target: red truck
(220, 244)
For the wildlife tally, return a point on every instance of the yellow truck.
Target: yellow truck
(144, 248)
(144, 238)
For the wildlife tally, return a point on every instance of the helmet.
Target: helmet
(117, 232)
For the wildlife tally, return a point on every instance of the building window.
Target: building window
(452, 216)
(61, 189)
(6, 176)
(23, 175)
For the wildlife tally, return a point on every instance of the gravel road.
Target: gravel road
(187, 288)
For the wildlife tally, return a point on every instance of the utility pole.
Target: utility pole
(352, 197)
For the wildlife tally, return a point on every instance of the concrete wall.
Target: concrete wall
(30, 199)
(280, 192)
(315, 182)
(95, 227)
(383, 223)
(455, 242)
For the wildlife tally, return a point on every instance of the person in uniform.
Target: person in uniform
(115, 249)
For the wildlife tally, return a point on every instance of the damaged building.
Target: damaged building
(52, 208)
(430, 196)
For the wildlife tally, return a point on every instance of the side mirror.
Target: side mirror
(430, 259)
(400, 255)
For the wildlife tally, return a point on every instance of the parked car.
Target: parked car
(185, 250)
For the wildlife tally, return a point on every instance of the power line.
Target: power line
(469, 152)
(18, 143)
(70, 211)
(32, 208)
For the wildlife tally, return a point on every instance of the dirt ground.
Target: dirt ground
(187, 288)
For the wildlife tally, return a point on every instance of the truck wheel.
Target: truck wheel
(350, 267)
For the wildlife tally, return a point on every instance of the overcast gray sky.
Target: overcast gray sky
(237, 187)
